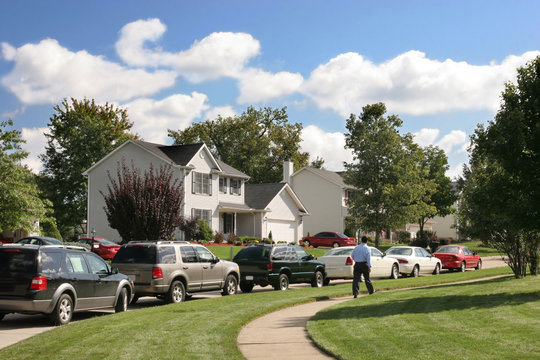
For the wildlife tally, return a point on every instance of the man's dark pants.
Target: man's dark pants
(361, 268)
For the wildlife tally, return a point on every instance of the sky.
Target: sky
(439, 65)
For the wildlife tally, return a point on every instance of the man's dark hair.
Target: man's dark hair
(364, 239)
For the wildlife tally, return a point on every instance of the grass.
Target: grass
(199, 329)
(493, 319)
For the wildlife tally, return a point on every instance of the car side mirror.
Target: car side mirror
(215, 260)
(310, 257)
(114, 270)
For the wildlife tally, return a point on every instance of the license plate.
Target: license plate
(249, 277)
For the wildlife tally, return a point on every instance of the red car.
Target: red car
(329, 238)
(458, 257)
(103, 247)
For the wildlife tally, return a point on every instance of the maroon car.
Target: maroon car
(458, 257)
(103, 247)
(329, 238)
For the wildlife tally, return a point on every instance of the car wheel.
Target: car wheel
(437, 269)
(395, 272)
(283, 282)
(231, 284)
(462, 267)
(122, 301)
(177, 292)
(134, 300)
(63, 310)
(479, 265)
(318, 279)
(335, 245)
(246, 287)
(415, 271)
(307, 243)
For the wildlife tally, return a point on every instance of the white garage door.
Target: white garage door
(282, 230)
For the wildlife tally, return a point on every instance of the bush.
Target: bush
(249, 239)
(403, 237)
(270, 235)
(219, 237)
(233, 239)
(425, 239)
(205, 232)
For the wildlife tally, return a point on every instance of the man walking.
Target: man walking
(362, 266)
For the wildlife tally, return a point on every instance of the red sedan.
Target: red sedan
(458, 257)
(103, 247)
(329, 238)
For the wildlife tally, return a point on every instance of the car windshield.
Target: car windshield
(339, 252)
(141, 254)
(342, 235)
(106, 242)
(448, 250)
(399, 251)
(253, 252)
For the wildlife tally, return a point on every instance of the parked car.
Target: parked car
(40, 240)
(277, 265)
(329, 238)
(458, 257)
(340, 264)
(103, 247)
(172, 270)
(58, 281)
(414, 260)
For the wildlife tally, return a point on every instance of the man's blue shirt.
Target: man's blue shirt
(361, 253)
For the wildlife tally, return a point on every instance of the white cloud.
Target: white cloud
(224, 111)
(220, 54)
(426, 137)
(47, 73)
(152, 118)
(455, 172)
(452, 140)
(257, 85)
(35, 145)
(329, 146)
(410, 83)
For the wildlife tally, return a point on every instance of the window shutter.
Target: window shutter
(193, 182)
(210, 184)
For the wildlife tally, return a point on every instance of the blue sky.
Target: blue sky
(439, 65)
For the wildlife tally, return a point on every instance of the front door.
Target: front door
(228, 223)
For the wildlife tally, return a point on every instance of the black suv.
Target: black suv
(58, 280)
(278, 265)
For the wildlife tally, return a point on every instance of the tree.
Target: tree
(80, 134)
(500, 202)
(144, 207)
(20, 199)
(385, 171)
(256, 142)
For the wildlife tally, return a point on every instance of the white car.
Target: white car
(414, 260)
(340, 265)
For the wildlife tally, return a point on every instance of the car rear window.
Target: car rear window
(17, 261)
(253, 253)
(448, 250)
(399, 251)
(139, 254)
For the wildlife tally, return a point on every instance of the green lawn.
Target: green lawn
(494, 319)
(206, 328)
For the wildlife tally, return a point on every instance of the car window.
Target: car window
(375, 252)
(106, 242)
(291, 254)
(466, 250)
(339, 252)
(321, 234)
(51, 263)
(75, 264)
(188, 254)
(448, 250)
(279, 253)
(166, 255)
(204, 254)
(342, 235)
(253, 252)
(17, 261)
(418, 253)
(301, 253)
(97, 265)
(425, 253)
(140, 254)
(399, 251)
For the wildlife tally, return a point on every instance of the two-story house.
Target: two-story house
(213, 191)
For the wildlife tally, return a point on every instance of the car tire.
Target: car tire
(122, 301)
(246, 287)
(462, 267)
(134, 300)
(63, 311)
(326, 281)
(415, 271)
(231, 285)
(437, 269)
(283, 282)
(335, 245)
(479, 265)
(318, 279)
(177, 292)
(394, 274)
(307, 243)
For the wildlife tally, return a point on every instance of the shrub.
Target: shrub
(205, 232)
(270, 235)
(219, 237)
(425, 239)
(249, 239)
(404, 237)
(233, 238)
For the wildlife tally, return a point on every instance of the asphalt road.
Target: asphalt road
(17, 327)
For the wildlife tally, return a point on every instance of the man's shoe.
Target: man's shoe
(355, 296)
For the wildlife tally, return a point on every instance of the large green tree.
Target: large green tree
(255, 142)
(384, 171)
(81, 132)
(500, 201)
(20, 200)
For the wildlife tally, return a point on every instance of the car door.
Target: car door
(470, 259)
(105, 284)
(378, 265)
(212, 269)
(81, 279)
(192, 268)
(426, 260)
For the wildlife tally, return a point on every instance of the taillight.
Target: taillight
(39, 283)
(402, 261)
(270, 266)
(157, 273)
(349, 261)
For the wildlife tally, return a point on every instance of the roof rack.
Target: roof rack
(159, 242)
(71, 247)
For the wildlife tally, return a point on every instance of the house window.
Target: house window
(236, 185)
(223, 185)
(201, 183)
(202, 214)
(346, 199)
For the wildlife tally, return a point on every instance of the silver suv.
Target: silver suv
(172, 270)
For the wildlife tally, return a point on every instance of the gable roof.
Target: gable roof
(332, 176)
(259, 196)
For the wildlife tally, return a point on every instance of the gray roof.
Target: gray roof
(229, 170)
(258, 196)
(332, 176)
